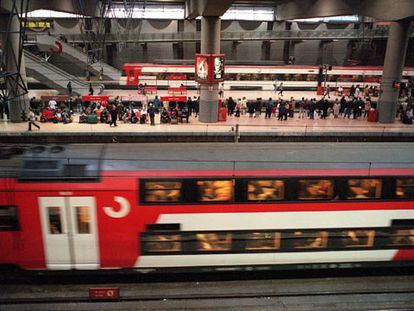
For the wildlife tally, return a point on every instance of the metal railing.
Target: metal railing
(331, 34)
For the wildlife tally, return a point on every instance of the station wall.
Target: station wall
(310, 52)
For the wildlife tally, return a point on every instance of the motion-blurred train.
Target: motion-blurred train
(62, 210)
(238, 77)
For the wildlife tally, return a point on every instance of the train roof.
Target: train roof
(89, 161)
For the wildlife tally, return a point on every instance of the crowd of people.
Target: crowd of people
(346, 106)
(357, 104)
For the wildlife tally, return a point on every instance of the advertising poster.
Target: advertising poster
(202, 68)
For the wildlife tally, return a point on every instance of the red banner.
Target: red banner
(173, 98)
(108, 293)
(57, 98)
(177, 77)
(95, 98)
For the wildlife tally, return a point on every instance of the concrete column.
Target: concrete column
(393, 66)
(210, 44)
(17, 104)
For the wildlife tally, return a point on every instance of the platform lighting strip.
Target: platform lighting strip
(176, 12)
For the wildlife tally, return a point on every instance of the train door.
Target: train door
(69, 230)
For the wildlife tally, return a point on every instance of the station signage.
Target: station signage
(209, 68)
(106, 293)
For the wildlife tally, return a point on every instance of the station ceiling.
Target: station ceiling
(387, 10)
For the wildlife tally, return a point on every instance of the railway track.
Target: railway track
(371, 293)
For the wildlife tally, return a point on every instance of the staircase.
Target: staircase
(45, 43)
(52, 76)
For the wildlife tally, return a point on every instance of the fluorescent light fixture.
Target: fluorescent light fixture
(51, 14)
(331, 19)
(249, 14)
(149, 12)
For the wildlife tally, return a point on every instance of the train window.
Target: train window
(265, 190)
(358, 238)
(159, 243)
(315, 189)
(8, 218)
(405, 188)
(55, 220)
(162, 191)
(213, 241)
(306, 239)
(364, 189)
(83, 219)
(262, 240)
(402, 237)
(215, 190)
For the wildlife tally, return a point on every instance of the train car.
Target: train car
(105, 208)
(257, 77)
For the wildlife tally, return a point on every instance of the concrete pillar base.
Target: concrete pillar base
(17, 107)
(209, 103)
(393, 67)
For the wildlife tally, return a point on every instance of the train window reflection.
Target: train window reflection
(163, 243)
(55, 221)
(83, 219)
(315, 189)
(262, 240)
(358, 238)
(8, 218)
(364, 189)
(405, 188)
(304, 239)
(162, 191)
(215, 190)
(213, 241)
(402, 237)
(265, 190)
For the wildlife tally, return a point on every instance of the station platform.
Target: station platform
(243, 129)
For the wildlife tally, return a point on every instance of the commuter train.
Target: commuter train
(238, 77)
(62, 210)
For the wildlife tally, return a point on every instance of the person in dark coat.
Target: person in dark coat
(90, 89)
(269, 107)
(114, 115)
(312, 107)
(151, 113)
(231, 105)
(250, 108)
(189, 106)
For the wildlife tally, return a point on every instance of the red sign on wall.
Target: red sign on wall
(105, 293)
(173, 98)
(177, 77)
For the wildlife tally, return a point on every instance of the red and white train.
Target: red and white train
(258, 77)
(65, 211)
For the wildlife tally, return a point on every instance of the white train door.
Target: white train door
(69, 230)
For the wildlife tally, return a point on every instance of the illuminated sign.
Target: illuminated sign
(209, 68)
(37, 25)
(218, 67)
(202, 67)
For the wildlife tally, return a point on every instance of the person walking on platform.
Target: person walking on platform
(151, 113)
(336, 108)
(196, 105)
(280, 89)
(79, 104)
(69, 87)
(90, 89)
(269, 107)
(189, 106)
(301, 105)
(114, 115)
(32, 120)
